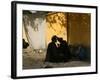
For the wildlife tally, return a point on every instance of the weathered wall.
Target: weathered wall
(79, 28)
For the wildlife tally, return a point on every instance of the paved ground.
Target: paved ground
(33, 60)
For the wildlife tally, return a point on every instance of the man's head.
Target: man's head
(54, 38)
(60, 39)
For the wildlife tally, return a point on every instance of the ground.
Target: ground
(35, 60)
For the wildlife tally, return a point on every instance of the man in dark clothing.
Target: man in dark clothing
(81, 52)
(25, 44)
(52, 52)
(64, 50)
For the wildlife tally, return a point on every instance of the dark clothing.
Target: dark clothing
(57, 52)
(64, 51)
(82, 55)
(52, 52)
(25, 44)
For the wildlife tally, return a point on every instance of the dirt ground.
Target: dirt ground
(35, 60)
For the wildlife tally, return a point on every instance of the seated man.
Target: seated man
(52, 52)
(64, 50)
(25, 44)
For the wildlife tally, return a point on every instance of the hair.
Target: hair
(54, 38)
(60, 39)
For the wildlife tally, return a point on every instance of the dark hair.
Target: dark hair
(60, 39)
(54, 38)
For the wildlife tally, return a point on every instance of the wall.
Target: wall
(34, 26)
(79, 29)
